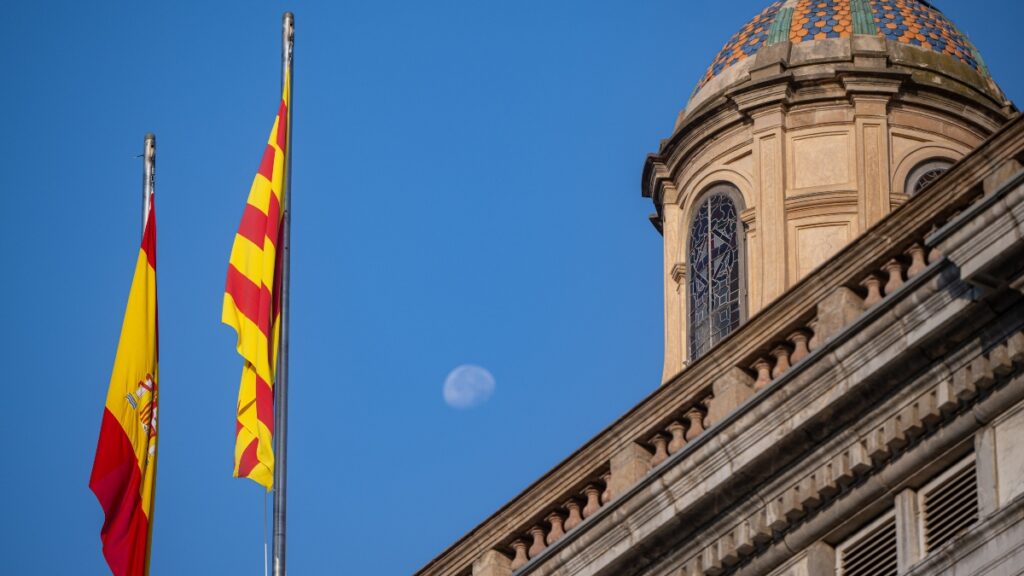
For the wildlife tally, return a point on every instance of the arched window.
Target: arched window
(716, 285)
(924, 174)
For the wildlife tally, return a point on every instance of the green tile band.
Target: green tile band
(779, 32)
(863, 19)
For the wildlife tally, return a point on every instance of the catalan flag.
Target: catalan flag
(252, 304)
(124, 471)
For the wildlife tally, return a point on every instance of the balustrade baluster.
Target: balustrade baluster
(814, 342)
(607, 494)
(874, 286)
(917, 263)
(555, 519)
(660, 449)
(520, 558)
(678, 432)
(895, 270)
(696, 419)
(538, 541)
(764, 377)
(574, 518)
(800, 350)
(781, 354)
(591, 493)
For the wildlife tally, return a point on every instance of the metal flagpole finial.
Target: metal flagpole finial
(288, 38)
(148, 176)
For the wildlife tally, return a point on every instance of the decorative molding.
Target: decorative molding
(679, 272)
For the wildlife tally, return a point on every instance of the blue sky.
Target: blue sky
(466, 191)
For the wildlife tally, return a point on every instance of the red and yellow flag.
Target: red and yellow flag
(252, 304)
(124, 472)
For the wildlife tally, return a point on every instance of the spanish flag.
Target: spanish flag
(124, 472)
(252, 304)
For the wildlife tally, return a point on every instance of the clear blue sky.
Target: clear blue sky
(466, 180)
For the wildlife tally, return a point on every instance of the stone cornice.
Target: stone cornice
(739, 105)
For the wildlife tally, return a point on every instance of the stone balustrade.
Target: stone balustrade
(682, 429)
(530, 541)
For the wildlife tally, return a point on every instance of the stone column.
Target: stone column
(492, 563)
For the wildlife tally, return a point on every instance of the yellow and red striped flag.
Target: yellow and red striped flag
(252, 304)
(124, 471)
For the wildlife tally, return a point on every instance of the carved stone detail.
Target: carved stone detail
(575, 514)
(660, 449)
(592, 494)
(764, 378)
(538, 541)
(520, 559)
(556, 532)
(874, 287)
(800, 349)
(678, 432)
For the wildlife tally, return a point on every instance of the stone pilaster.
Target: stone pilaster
(675, 292)
(872, 133)
(769, 170)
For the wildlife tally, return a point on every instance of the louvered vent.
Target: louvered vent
(950, 504)
(872, 551)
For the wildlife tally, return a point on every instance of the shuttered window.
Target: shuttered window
(949, 504)
(870, 552)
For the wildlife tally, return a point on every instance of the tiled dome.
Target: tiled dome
(912, 22)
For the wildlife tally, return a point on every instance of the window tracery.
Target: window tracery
(715, 269)
(924, 174)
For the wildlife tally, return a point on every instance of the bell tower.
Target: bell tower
(815, 121)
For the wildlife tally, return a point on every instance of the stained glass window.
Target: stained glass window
(714, 271)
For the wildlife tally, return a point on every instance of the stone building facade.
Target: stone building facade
(842, 206)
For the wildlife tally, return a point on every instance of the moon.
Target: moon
(468, 386)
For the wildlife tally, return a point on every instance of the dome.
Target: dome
(912, 32)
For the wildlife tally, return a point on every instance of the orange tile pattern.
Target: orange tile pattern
(821, 19)
(744, 43)
(918, 24)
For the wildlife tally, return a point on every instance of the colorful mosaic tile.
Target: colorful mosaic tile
(915, 23)
(744, 43)
(821, 19)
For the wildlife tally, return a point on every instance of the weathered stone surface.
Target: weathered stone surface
(1009, 445)
(492, 563)
(733, 388)
(628, 466)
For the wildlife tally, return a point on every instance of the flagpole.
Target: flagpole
(281, 386)
(148, 176)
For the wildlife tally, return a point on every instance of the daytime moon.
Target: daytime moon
(468, 386)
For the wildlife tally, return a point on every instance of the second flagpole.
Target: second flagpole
(281, 386)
